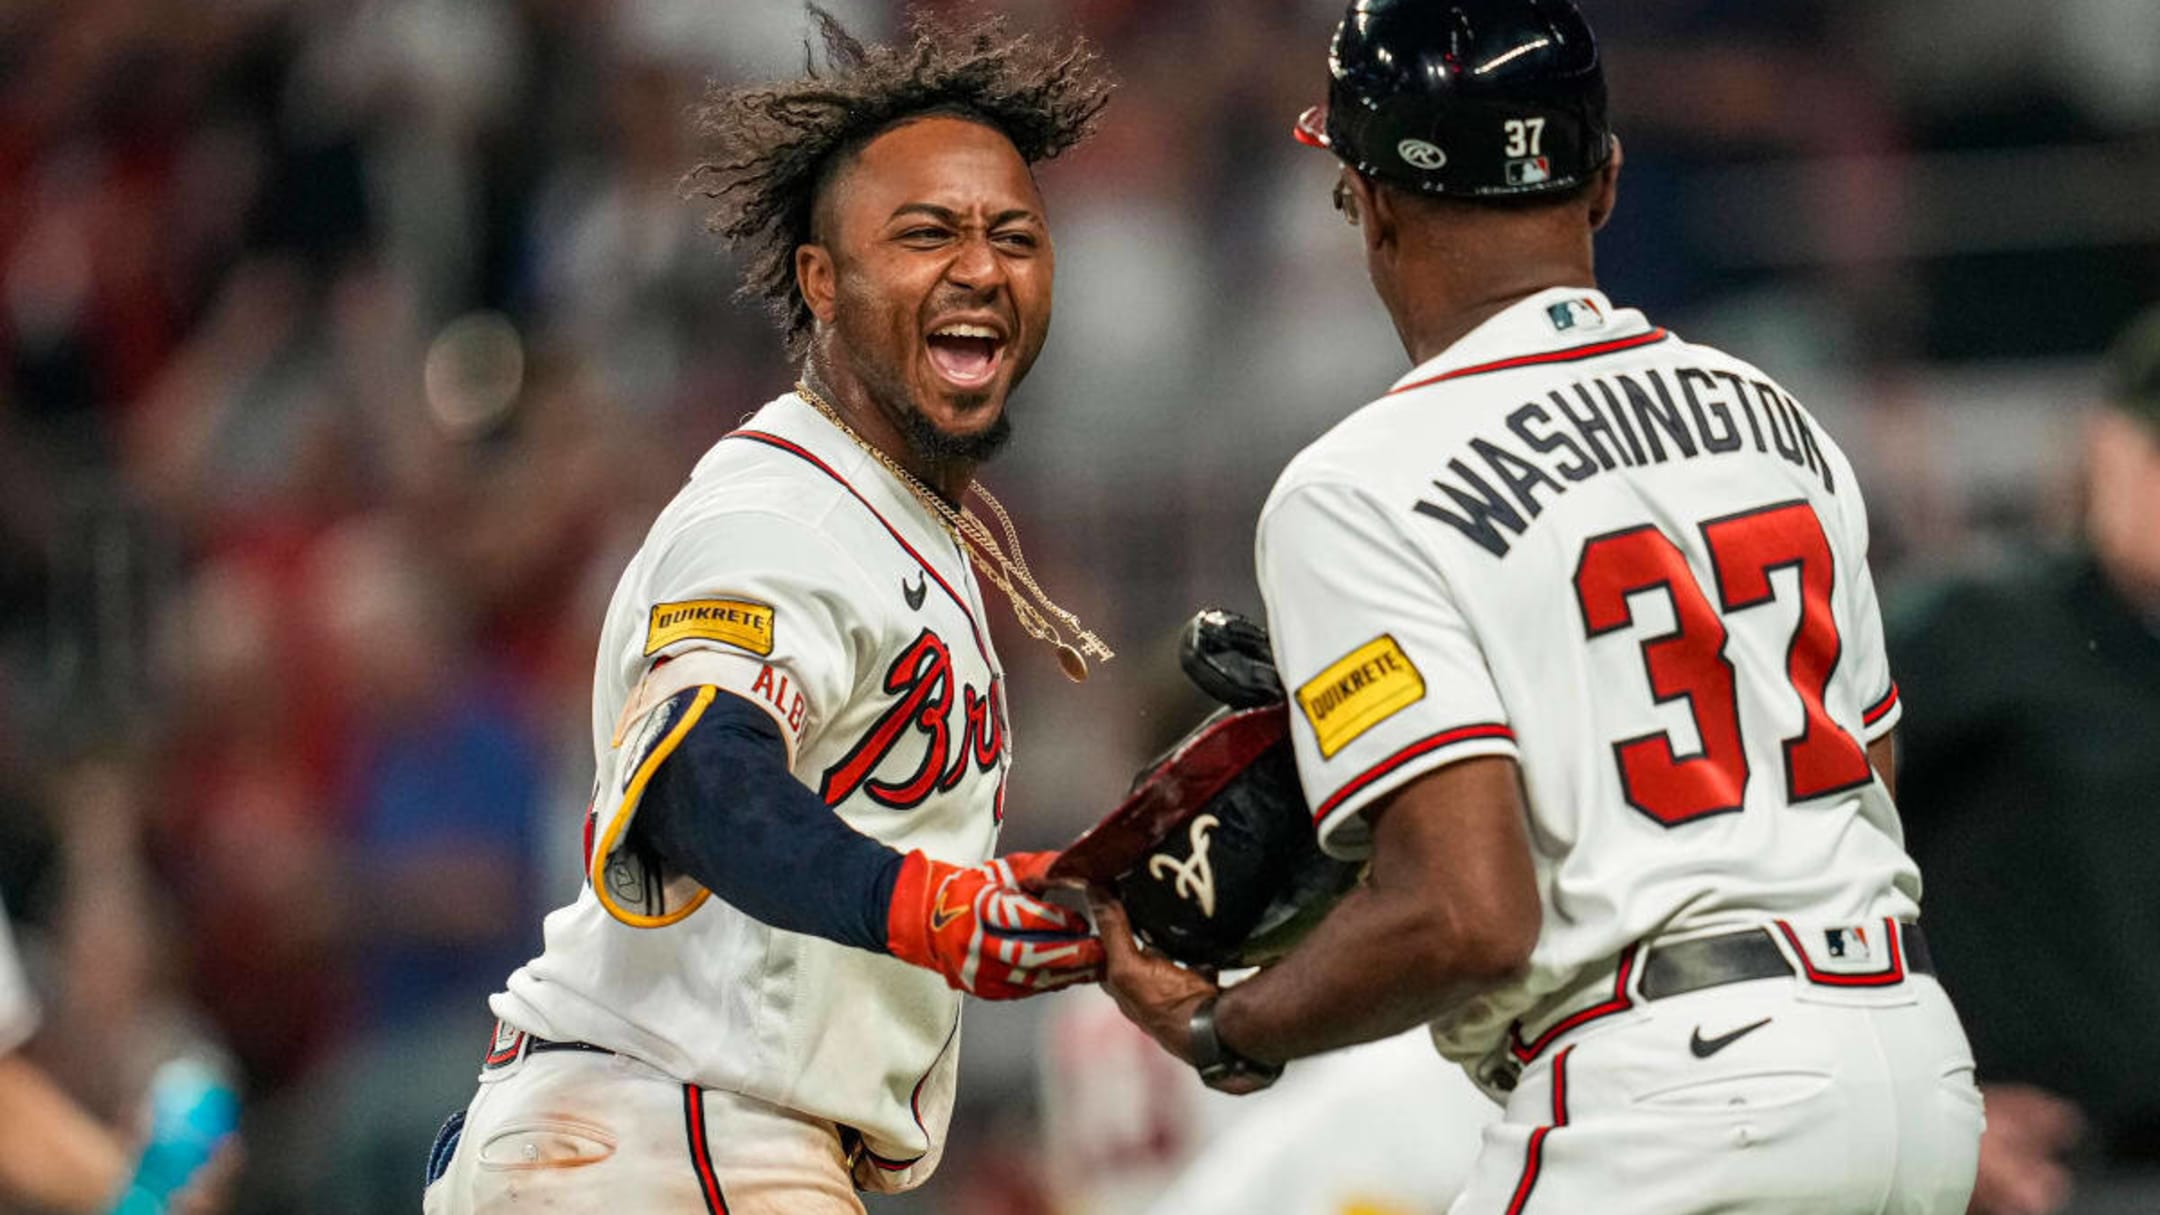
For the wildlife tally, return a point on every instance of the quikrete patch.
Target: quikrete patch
(736, 622)
(1359, 691)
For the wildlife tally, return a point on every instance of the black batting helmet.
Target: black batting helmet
(1470, 98)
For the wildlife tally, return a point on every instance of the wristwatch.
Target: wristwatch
(1220, 1067)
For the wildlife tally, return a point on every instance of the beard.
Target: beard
(938, 448)
(856, 331)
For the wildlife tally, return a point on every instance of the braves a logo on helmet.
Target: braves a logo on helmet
(1193, 878)
(922, 682)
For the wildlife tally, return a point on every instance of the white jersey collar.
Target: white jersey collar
(1556, 321)
(795, 420)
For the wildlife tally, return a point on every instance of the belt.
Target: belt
(534, 1046)
(1741, 957)
(1680, 967)
(511, 1044)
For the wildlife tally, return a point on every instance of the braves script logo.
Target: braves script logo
(922, 683)
(1195, 878)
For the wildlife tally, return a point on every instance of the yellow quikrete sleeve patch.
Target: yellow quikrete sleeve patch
(736, 622)
(1359, 691)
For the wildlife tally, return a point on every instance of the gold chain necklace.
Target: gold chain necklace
(987, 555)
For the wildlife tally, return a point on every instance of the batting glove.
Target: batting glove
(980, 928)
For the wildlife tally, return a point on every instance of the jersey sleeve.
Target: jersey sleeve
(747, 606)
(1865, 662)
(759, 605)
(1385, 675)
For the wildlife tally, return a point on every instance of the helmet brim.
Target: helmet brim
(1311, 128)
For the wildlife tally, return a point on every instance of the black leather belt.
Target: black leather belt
(528, 1044)
(534, 1046)
(1739, 957)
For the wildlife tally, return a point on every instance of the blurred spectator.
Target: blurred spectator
(60, 1155)
(2031, 791)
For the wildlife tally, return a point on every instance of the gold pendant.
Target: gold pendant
(1075, 667)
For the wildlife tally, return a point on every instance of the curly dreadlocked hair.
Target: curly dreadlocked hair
(774, 147)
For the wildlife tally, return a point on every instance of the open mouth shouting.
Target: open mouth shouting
(967, 354)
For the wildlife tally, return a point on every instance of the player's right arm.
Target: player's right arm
(725, 809)
(748, 645)
(1449, 909)
(1405, 753)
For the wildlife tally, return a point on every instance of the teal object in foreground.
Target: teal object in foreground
(193, 1107)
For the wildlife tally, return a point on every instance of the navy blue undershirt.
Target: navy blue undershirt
(725, 809)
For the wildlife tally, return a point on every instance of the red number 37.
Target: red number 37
(1689, 662)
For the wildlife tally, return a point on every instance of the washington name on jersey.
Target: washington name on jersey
(1602, 422)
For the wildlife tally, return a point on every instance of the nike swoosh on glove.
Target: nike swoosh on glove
(980, 927)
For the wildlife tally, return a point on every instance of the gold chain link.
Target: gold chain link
(982, 547)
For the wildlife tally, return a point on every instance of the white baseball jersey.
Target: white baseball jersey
(1636, 566)
(795, 572)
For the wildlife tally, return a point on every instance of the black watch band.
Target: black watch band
(1220, 1067)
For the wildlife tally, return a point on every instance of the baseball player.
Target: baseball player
(1584, 656)
(799, 723)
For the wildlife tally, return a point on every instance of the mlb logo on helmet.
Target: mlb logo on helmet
(1529, 171)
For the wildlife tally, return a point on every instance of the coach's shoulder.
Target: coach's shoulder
(1381, 442)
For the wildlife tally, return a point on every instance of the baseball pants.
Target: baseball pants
(1776, 1095)
(600, 1132)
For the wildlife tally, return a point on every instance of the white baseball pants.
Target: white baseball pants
(1839, 1101)
(579, 1131)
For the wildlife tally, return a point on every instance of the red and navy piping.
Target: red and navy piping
(1534, 1156)
(1424, 746)
(1573, 354)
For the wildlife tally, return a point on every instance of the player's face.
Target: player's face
(942, 267)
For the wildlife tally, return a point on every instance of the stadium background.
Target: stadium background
(347, 347)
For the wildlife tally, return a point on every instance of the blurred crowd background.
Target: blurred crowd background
(348, 347)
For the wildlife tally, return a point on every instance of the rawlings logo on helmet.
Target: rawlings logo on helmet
(1419, 154)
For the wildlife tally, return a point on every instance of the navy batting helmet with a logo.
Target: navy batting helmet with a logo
(1475, 98)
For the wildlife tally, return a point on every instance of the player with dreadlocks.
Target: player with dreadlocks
(799, 724)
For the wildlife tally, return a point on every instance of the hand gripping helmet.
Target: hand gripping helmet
(1465, 98)
(1213, 854)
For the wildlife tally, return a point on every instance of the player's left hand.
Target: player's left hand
(1153, 992)
(982, 927)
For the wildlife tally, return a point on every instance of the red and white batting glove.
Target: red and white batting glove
(980, 928)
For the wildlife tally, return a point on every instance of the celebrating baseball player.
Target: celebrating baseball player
(1580, 652)
(754, 1004)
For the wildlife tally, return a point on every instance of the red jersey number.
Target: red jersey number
(1689, 662)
